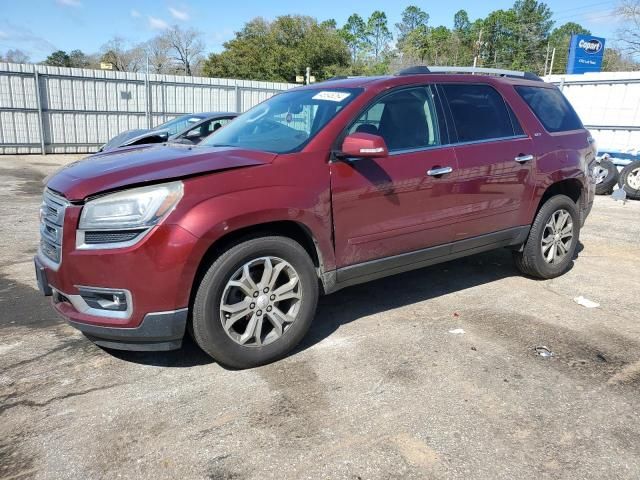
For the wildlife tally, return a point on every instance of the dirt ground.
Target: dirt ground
(379, 389)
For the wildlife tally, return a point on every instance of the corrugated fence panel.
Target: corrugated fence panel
(80, 109)
(608, 103)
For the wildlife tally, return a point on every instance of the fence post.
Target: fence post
(36, 77)
(238, 99)
(147, 95)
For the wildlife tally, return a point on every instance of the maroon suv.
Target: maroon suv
(316, 189)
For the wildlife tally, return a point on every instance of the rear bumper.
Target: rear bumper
(158, 331)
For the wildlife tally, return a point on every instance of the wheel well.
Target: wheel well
(290, 229)
(571, 187)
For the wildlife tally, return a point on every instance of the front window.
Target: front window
(406, 119)
(285, 122)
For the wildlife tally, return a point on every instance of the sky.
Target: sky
(39, 27)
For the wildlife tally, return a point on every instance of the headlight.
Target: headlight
(135, 208)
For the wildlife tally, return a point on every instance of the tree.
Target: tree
(412, 18)
(531, 30)
(77, 59)
(124, 58)
(59, 58)
(354, 33)
(461, 22)
(186, 48)
(378, 33)
(14, 56)
(158, 54)
(330, 24)
(416, 45)
(615, 60)
(280, 50)
(629, 34)
(559, 39)
(462, 38)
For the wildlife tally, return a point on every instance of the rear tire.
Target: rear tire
(606, 175)
(630, 180)
(256, 302)
(553, 239)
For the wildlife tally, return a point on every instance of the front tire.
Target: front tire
(553, 239)
(256, 302)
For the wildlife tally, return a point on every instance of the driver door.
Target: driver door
(395, 204)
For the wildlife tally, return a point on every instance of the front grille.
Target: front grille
(51, 223)
(98, 238)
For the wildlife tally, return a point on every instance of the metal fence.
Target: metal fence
(69, 110)
(608, 104)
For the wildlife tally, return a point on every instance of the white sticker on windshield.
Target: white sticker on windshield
(331, 96)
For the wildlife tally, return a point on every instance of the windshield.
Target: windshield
(178, 124)
(285, 122)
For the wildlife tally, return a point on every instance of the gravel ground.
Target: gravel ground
(379, 389)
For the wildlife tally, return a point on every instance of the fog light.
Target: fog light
(104, 299)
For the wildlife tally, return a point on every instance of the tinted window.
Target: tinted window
(517, 128)
(479, 112)
(551, 107)
(406, 119)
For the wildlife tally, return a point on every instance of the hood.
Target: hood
(147, 164)
(122, 138)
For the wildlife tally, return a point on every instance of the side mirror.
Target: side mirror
(364, 145)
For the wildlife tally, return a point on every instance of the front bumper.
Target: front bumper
(155, 276)
(158, 331)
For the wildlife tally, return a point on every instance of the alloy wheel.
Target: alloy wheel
(557, 237)
(260, 301)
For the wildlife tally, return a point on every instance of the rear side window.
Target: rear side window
(479, 113)
(551, 107)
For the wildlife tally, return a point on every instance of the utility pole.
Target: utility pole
(553, 57)
(546, 60)
(147, 94)
(307, 76)
(475, 59)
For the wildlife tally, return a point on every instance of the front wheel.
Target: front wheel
(552, 241)
(256, 302)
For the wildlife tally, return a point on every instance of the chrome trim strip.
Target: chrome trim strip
(81, 306)
(52, 214)
(456, 144)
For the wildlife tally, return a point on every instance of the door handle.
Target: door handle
(439, 171)
(523, 158)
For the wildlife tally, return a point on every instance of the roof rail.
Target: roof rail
(341, 77)
(415, 70)
(473, 70)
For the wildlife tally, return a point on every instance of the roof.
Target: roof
(214, 114)
(441, 75)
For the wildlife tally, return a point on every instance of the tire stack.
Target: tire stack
(629, 180)
(606, 175)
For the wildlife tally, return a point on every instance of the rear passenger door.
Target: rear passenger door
(494, 183)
